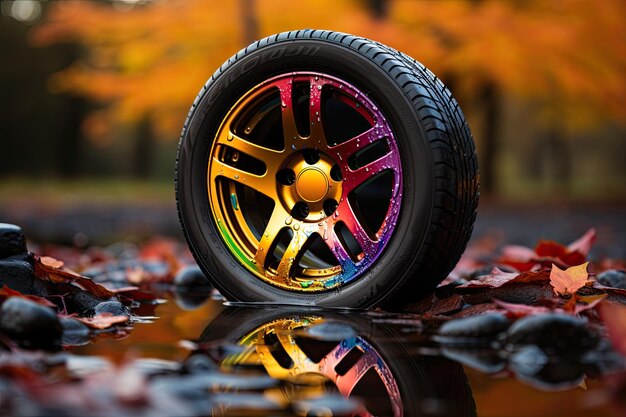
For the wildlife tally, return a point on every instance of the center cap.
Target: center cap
(312, 185)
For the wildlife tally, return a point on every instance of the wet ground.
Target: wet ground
(457, 354)
(389, 364)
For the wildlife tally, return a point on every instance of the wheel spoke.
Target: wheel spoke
(264, 184)
(269, 156)
(315, 109)
(273, 228)
(291, 254)
(347, 216)
(346, 383)
(336, 247)
(348, 148)
(290, 129)
(354, 178)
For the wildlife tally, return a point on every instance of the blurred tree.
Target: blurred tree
(568, 57)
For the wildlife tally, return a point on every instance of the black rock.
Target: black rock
(188, 300)
(82, 302)
(553, 333)
(531, 365)
(613, 278)
(191, 276)
(112, 307)
(12, 241)
(485, 326)
(30, 323)
(75, 333)
(17, 274)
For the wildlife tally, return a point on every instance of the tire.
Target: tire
(392, 234)
(406, 382)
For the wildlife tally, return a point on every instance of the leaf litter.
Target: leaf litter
(544, 293)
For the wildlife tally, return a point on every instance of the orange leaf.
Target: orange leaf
(103, 320)
(51, 262)
(52, 270)
(570, 280)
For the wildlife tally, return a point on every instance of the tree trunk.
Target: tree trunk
(144, 149)
(491, 105)
(249, 20)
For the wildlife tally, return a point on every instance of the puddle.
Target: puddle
(248, 360)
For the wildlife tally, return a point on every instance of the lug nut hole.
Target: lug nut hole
(300, 210)
(335, 173)
(286, 177)
(330, 206)
(311, 156)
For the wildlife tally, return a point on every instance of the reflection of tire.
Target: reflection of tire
(321, 168)
(422, 385)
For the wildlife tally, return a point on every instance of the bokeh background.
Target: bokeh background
(94, 94)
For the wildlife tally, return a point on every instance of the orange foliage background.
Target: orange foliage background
(567, 56)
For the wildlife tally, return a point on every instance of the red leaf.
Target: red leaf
(447, 305)
(520, 310)
(614, 317)
(583, 245)
(570, 280)
(6, 292)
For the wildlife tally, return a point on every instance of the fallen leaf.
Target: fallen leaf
(51, 262)
(497, 278)
(591, 301)
(570, 280)
(48, 268)
(614, 317)
(447, 305)
(6, 292)
(583, 245)
(579, 303)
(520, 310)
(548, 252)
(102, 320)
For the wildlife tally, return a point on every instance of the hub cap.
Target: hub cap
(304, 181)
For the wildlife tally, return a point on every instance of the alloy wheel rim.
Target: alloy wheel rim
(309, 145)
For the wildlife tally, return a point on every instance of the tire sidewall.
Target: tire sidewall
(212, 106)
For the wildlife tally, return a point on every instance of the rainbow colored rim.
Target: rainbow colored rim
(355, 350)
(304, 181)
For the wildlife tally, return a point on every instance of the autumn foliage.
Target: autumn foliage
(566, 57)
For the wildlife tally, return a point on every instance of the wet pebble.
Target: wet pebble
(190, 301)
(613, 278)
(553, 333)
(191, 276)
(75, 333)
(29, 322)
(17, 274)
(112, 307)
(12, 241)
(476, 327)
(82, 301)
(533, 366)
(199, 363)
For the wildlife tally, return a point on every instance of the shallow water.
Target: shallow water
(296, 361)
